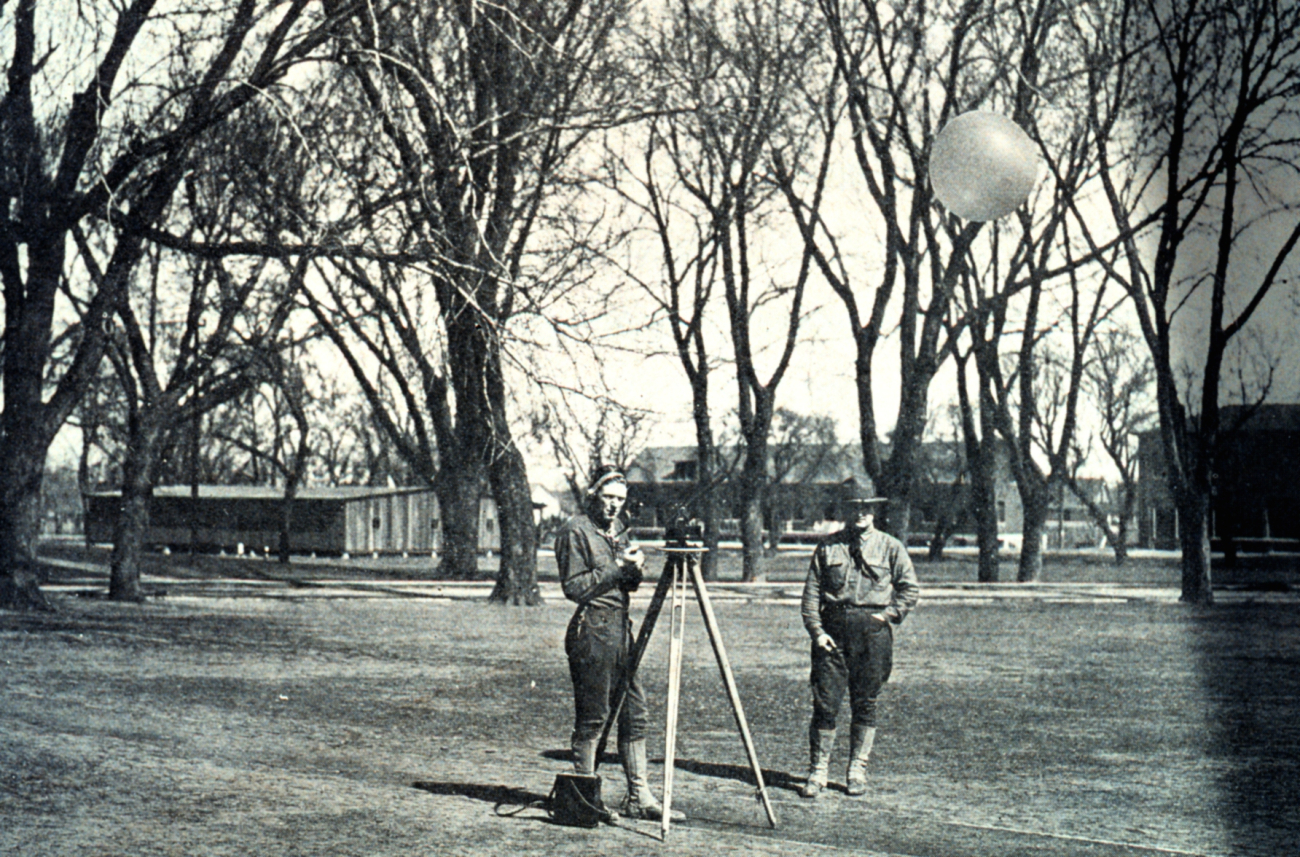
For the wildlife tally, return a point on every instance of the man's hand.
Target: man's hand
(826, 643)
(632, 556)
(630, 562)
(880, 617)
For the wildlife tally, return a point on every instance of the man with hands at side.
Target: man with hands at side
(860, 584)
(598, 567)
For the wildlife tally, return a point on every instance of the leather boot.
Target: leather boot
(640, 802)
(820, 742)
(860, 740)
(584, 756)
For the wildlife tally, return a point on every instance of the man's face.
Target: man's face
(608, 502)
(859, 516)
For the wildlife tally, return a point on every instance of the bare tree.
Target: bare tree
(682, 294)
(206, 366)
(479, 108)
(732, 105)
(979, 437)
(90, 128)
(1118, 382)
(1193, 105)
(907, 68)
(802, 449)
(588, 435)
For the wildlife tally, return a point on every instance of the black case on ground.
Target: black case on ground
(575, 801)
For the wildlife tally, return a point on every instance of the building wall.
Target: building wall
(390, 523)
(1257, 487)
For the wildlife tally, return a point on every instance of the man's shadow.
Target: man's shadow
(740, 773)
(510, 801)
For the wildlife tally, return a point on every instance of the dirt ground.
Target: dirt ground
(351, 714)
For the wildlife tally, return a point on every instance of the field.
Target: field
(343, 708)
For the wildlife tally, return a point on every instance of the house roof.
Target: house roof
(658, 463)
(270, 492)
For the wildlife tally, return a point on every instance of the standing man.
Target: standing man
(860, 584)
(598, 568)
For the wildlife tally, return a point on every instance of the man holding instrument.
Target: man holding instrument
(598, 567)
(860, 584)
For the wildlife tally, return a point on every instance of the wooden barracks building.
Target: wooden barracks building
(330, 520)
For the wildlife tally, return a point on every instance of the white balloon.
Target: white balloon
(983, 166)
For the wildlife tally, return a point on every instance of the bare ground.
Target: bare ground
(365, 715)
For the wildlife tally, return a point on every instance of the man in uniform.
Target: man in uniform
(598, 567)
(860, 584)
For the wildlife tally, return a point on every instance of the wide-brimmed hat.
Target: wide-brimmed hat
(855, 493)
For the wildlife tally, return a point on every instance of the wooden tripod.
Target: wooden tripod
(681, 564)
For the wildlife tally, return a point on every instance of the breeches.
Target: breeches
(861, 663)
(598, 643)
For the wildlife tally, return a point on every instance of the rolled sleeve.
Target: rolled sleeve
(811, 604)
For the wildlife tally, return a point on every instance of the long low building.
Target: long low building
(348, 519)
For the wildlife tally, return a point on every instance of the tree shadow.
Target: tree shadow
(740, 773)
(1250, 663)
(566, 755)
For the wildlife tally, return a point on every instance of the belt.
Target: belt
(841, 607)
(603, 608)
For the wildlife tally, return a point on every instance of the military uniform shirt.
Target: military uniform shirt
(589, 565)
(853, 568)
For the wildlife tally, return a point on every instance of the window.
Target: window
(376, 522)
(684, 471)
(1002, 511)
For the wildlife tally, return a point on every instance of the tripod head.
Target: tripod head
(678, 531)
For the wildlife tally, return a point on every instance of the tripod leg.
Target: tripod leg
(638, 649)
(676, 625)
(724, 665)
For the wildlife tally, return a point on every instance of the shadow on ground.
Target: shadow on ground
(505, 800)
(739, 773)
(1252, 677)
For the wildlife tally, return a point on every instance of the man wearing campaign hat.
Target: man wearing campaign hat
(860, 584)
(598, 567)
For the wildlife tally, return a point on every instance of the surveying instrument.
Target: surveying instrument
(682, 562)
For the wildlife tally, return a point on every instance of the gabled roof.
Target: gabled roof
(657, 464)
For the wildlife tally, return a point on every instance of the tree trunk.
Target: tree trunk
(22, 467)
(753, 477)
(984, 508)
(938, 541)
(1194, 536)
(459, 490)
(291, 483)
(1031, 533)
(711, 532)
(517, 579)
(128, 542)
(1121, 541)
(898, 477)
(133, 512)
(706, 474)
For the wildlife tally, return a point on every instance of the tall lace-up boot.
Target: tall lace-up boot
(820, 742)
(640, 802)
(860, 740)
